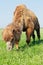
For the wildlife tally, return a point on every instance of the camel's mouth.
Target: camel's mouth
(9, 45)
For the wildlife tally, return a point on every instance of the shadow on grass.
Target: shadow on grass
(36, 42)
(22, 48)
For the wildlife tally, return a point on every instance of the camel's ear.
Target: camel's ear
(14, 32)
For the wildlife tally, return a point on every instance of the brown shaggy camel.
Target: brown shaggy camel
(23, 20)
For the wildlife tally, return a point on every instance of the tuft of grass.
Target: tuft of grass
(26, 55)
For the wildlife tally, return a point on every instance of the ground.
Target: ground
(26, 55)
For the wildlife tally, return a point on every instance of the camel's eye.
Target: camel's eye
(12, 39)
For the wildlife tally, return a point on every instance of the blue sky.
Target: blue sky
(7, 8)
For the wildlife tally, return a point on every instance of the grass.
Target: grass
(27, 55)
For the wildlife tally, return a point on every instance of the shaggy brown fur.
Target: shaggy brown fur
(23, 20)
(11, 35)
(27, 20)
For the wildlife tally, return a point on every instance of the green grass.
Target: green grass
(27, 55)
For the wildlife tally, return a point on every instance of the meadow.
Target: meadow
(26, 55)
